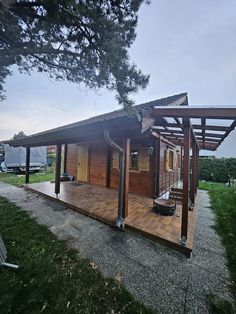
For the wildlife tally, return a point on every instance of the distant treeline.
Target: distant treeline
(217, 169)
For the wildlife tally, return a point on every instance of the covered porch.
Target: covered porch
(191, 128)
(101, 203)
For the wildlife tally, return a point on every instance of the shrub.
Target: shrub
(217, 169)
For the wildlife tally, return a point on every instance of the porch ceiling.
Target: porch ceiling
(209, 125)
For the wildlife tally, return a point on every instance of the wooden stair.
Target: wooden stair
(176, 194)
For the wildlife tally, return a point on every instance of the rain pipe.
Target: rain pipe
(119, 220)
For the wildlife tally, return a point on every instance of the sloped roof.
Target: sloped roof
(180, 99)
(175, 100)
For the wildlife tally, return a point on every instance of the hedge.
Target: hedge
(217, 169)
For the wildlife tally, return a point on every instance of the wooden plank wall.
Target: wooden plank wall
(97, 165)
(72, 160)
(167, 178)
(140, 182)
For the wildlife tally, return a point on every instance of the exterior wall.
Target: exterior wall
(72, 160)
(168, 177)
(97, 165)
(141, 181)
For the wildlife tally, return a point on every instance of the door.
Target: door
(82, 169)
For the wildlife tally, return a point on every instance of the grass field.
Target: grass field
(53, 278)
(19, 180)
(223, 203)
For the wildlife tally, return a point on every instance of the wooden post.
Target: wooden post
(185, 204)
(194, 173)
(27, 165)
(197, 170)
(108, 166)
(181, 163)
(157, 166)
(58, 169)
(65, 158)
(126, 187)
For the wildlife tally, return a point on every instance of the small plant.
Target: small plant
(219, 306)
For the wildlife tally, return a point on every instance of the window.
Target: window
(169, 160)
(178, 162)
(134, 160)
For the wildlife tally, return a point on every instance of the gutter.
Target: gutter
(119, 220)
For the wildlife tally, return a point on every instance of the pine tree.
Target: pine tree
(83, 41)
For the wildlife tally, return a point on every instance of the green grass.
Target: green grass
(223, 203)
(53, 278)
(19, 180)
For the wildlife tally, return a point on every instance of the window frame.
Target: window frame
(136, 168)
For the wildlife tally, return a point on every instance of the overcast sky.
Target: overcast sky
(186, 46)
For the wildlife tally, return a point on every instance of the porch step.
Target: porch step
(176, 195)
(177, 190)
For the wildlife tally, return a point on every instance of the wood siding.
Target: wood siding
(97, 165)
(141, 181)
(72, 159)
(168, 177)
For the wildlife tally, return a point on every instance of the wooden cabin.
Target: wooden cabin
(154, 166)
(127, 157)
(99, 165)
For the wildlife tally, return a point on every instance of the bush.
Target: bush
(217, 169)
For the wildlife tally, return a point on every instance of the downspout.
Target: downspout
(119, 220)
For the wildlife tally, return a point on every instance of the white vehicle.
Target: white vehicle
(15, 158)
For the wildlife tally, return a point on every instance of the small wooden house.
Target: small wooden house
(149, 151)
(153, 165)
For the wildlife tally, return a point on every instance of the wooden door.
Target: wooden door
(82, 169)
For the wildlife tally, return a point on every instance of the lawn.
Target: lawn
(223, 203)
(19, 180)
(53, 278)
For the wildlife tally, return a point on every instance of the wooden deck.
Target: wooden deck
(101, 203)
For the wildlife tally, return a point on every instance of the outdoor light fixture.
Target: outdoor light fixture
(150, 150)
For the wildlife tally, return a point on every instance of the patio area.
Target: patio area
(101, 203)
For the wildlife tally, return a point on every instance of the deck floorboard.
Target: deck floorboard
(101, 203)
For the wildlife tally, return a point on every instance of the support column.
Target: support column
(185, 204)
(157, 167)
(27, 165)
(58, 169)
(108, 166)
(181, 163)
(65, 158)
(194, 173)
(126, 187)
(197, 169)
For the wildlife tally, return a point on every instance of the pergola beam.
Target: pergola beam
(226, 113)
(230, 129)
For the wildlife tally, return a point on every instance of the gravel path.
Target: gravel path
(157, 276)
